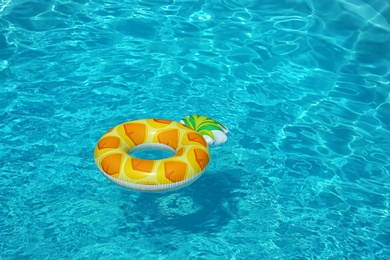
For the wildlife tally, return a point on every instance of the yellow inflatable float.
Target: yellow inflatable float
(188, 139)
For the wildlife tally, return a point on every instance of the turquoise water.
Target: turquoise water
(303, 87)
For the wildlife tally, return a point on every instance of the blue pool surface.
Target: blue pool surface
(303, 87)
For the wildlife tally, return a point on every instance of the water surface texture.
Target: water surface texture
(303, 87)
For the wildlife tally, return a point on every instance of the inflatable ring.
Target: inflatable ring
(190, 159)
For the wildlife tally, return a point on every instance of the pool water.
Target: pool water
(303, 87)
(152, 154)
